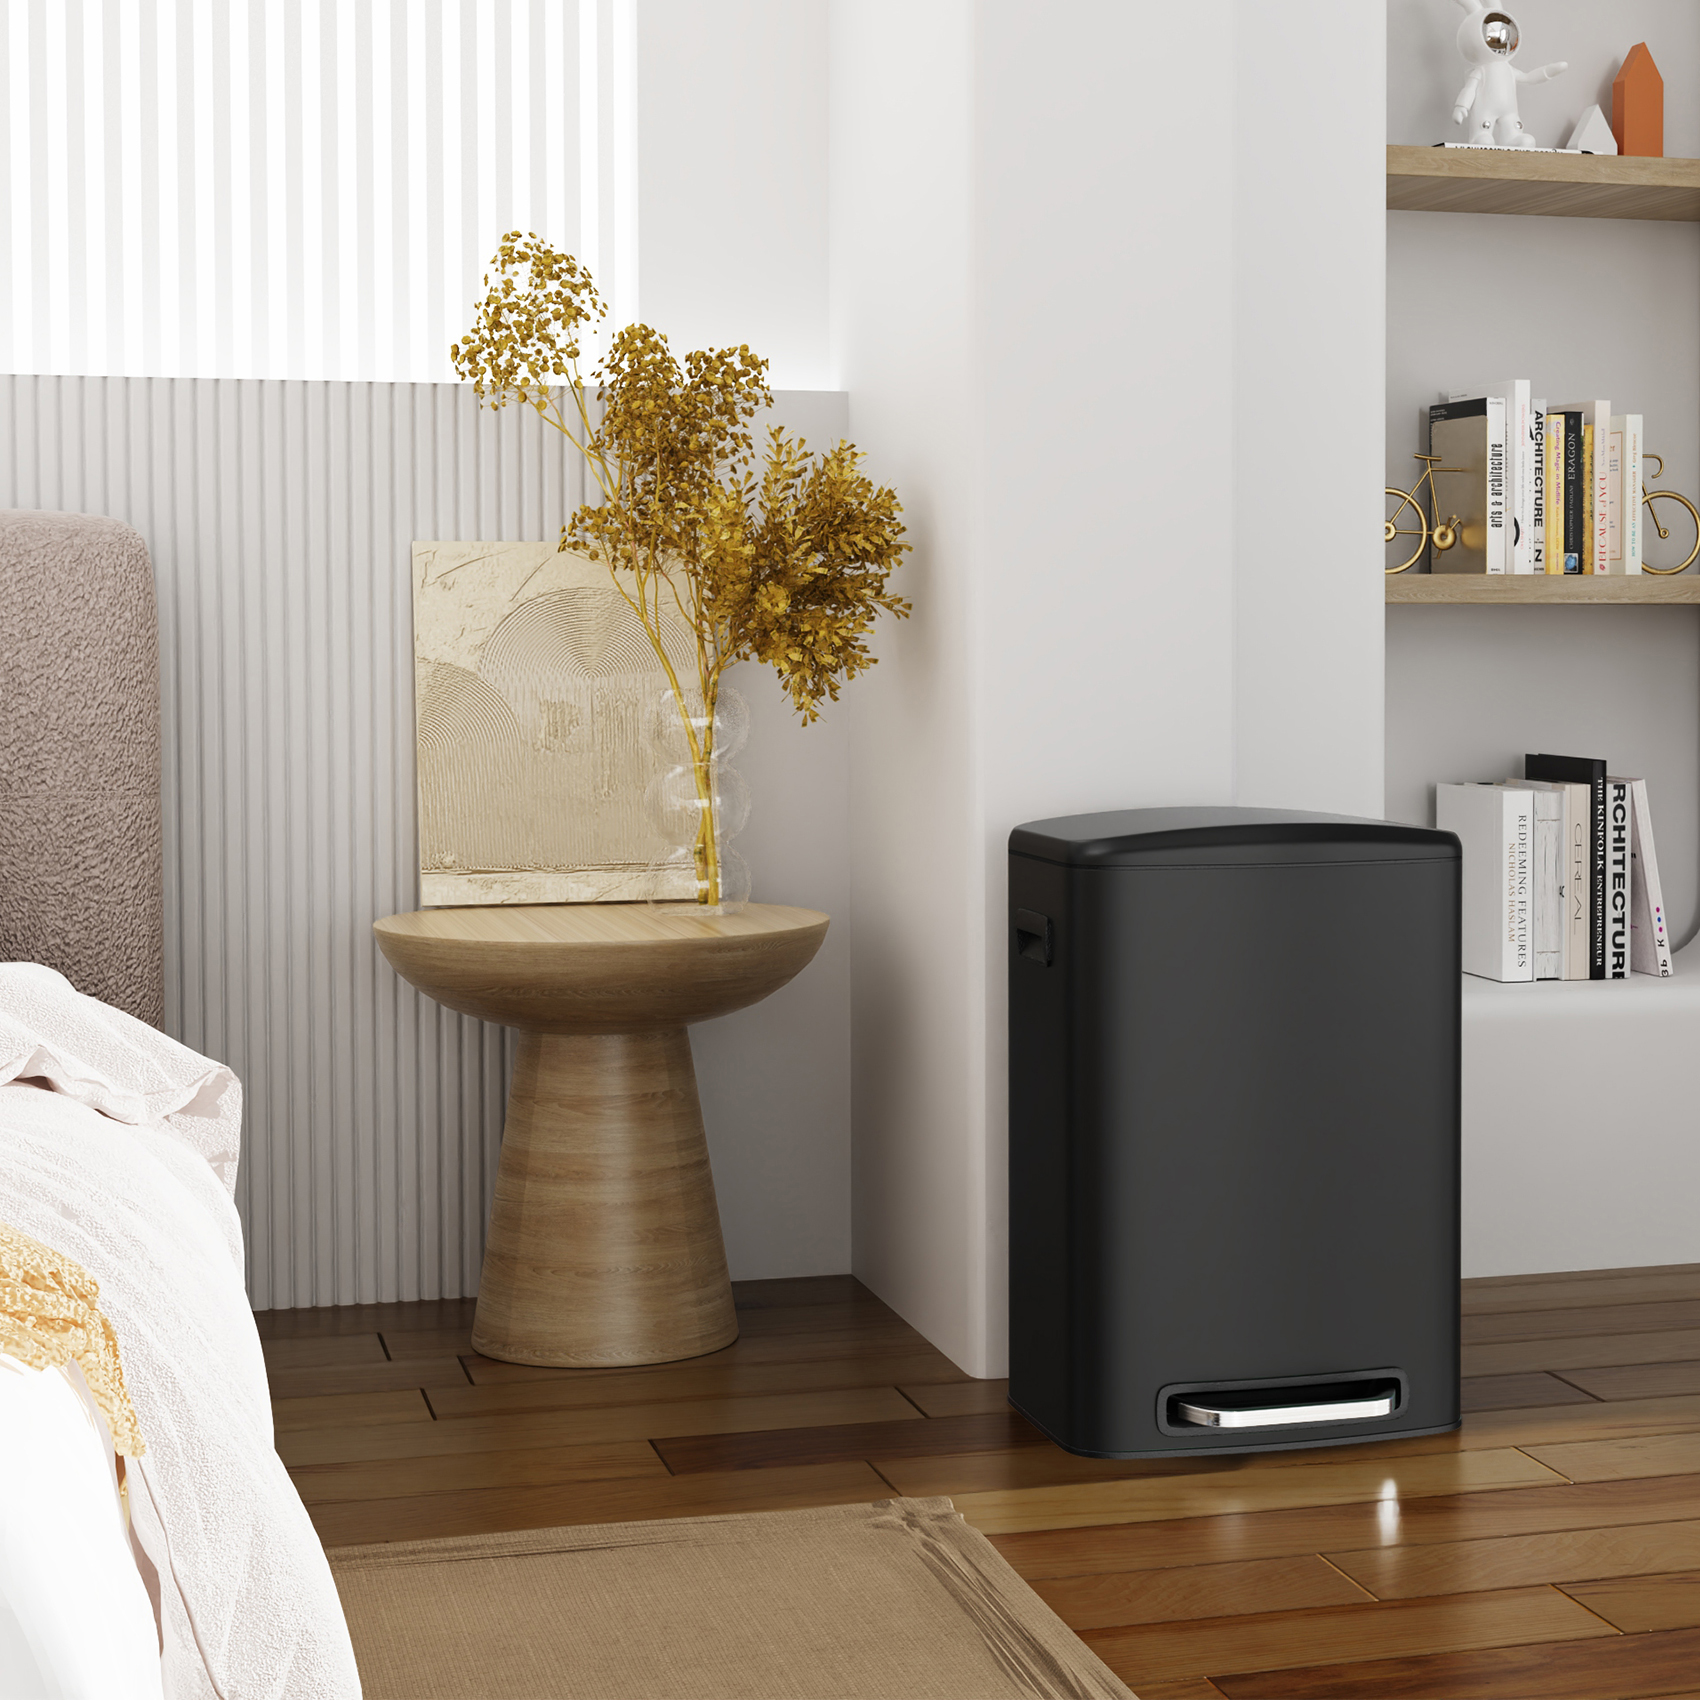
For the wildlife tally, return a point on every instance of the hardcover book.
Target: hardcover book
(1538, 479)
(1630, 517)
(1494, 825)
(1584, 770)
(1470, 435)
(1519, 468)
(1589, 537)
(1587, 498)
(1553, 426)
(1549, 882)
(1649, 930)
(1618, 878)
(1571, 486)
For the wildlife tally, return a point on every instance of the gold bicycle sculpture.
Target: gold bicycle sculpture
(1408, 541)
(1430, 527)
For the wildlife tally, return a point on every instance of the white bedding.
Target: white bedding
(248, 1610)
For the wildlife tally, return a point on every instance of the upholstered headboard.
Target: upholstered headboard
(81, 875)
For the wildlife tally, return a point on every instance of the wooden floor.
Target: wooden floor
(1550, 1549)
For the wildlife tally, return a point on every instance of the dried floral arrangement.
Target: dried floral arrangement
(790, 568)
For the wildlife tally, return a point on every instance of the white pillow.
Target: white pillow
(113, 1063)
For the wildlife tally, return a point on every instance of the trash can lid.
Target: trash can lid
(1203, 837)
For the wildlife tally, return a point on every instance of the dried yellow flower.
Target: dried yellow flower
(791, 569)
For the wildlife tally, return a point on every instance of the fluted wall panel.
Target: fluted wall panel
(279, 516)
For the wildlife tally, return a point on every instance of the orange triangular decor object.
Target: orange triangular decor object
(1638, 106)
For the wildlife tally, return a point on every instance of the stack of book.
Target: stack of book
(1560, 878)
(1537, 487)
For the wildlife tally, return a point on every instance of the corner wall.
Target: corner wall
(1094, 346)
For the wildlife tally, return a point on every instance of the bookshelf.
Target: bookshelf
(1541, 185)
(1522, 591)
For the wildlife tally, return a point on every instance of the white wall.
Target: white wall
(1049, 345)
(901, 197)
(732, 172)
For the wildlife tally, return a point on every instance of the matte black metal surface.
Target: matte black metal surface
(1234, 1100)
(1211, 836)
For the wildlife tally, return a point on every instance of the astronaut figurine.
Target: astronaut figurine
(1489, 99)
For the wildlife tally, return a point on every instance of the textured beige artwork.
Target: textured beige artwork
(532, 680)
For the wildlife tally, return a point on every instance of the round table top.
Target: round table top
(599, 967)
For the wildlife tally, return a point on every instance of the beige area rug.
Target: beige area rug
(899, 1600)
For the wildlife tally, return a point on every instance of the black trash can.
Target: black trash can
(1233, 1130)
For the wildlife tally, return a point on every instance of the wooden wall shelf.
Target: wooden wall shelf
(1524, 589)
(1549, 185)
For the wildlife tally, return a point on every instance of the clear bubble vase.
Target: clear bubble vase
(698, 804)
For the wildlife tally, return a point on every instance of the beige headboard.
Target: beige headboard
(81, 876)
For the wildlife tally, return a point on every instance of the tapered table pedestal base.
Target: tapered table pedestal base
(604, 1244)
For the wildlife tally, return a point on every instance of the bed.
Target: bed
(187, 1568)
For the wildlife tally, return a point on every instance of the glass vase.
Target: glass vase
(698, 804)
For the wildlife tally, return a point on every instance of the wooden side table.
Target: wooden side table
(604, 1244)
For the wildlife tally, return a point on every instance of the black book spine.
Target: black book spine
(1573, 508)
(1597, 868)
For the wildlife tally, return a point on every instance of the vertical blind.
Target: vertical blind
(299, 188)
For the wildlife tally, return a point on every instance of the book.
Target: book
(1587, 498)
(1584, 770)
(1546, 882)
(1538, 480)
(1578, 822)
(1600, 545)
(1619, 878)
(1614, 497)
(1634, 491)
(1589, 537)
(1571, 484)
(1470, 435)
(1519, 467)
(1494, 825)
(1649, 928)
(1552, 424)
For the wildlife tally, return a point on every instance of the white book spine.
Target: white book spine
(1498, 553)
(1614, 498)
(1649, 927)
(1495, 828)
(1618, 878)
(1538, 485)
(1547, 920)
(1578, 823)
(1513, 394)
(1523, 474)
(1633, 493)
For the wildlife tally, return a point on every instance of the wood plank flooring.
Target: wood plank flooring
(1550, 1548)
